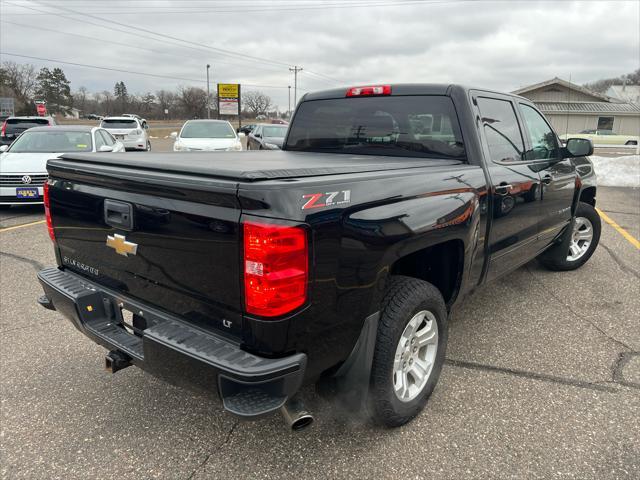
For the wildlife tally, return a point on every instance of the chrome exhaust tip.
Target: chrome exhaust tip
(295, 414)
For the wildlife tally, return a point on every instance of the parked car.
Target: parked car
(277, 121)
(93, 116)
(141, 120)
(267, 137)
(206, 135)
(23, 165)
(335, 261)
(129, 131)
(14, 126)
(604, 137)
(247, 129)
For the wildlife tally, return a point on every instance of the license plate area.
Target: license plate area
(119, 137)
(27, 192)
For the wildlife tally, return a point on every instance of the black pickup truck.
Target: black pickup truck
(335, 261)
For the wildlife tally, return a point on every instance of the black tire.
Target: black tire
(148, 146)
(631, 142)
(404, 298)
(556, 258)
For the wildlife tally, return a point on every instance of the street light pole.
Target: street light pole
(208, 94)
(289, 109)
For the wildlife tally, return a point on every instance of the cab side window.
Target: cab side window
(544, 144)
(501, 129)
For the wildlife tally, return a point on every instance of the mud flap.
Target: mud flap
(351, 381)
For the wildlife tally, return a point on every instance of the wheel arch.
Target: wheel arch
(588, 195)
(441, 264)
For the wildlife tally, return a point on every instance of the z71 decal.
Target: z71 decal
(327, 199)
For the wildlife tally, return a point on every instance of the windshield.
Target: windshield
(52, 142)
(406, 126)
(119, 124)
(278, 132)
(207, 130)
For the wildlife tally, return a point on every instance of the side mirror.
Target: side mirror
(174, 135)
(578, 147)
(4, 148)
(241, 134)
(105, 148)
(145, 126)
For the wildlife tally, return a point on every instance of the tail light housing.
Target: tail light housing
(47, 212)
(276, 268)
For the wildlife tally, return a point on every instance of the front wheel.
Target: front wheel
(574, 252)
(409, 352)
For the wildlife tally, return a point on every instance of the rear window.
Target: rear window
(54, 141)
(25, 123)
(207, 130)
(119, 124)
(407, 126)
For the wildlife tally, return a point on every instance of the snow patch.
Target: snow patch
(617, 171)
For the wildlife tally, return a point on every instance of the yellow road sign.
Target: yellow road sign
(228, 90)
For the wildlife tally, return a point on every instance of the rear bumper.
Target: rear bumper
(174, 350)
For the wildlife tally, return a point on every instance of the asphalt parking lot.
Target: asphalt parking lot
(542, 381)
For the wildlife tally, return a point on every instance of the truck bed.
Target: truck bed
(251, 166)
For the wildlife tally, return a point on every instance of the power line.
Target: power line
(85, 65)
(263, 8)
(137, 35)
(128, 45)
(164, 35)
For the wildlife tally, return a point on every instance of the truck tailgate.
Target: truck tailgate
(180, 251)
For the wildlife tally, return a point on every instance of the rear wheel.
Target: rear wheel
(409, 352)
(148, 146)
(574, 252)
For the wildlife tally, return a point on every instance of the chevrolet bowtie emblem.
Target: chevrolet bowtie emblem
(121, 246)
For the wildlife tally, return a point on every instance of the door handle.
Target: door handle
(503, 189)
(118, 214)
(547, 179)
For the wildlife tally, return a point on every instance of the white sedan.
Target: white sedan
(23, 165)
(207, 135)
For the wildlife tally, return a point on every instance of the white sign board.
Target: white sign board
(228, 106)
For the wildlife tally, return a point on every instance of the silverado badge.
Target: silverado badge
(121, 246)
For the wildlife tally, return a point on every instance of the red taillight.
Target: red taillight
(276, 266)
(369, 90)
(4, 129)
(47, 212)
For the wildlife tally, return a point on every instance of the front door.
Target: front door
(515, 187)
(558, 175)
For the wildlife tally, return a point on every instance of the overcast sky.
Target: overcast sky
(495, 44)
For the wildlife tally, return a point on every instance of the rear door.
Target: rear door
(515, 186)
(558, 175)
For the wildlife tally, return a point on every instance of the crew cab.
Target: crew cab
(336, 261)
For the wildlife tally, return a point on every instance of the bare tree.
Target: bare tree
(256, 102)
(20, 79)
(193, 101)
(166, 101)
(107, 102)
(80, 99)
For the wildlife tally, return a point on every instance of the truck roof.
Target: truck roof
(404, 89)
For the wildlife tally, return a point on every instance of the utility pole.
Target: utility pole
(295, 71)
(208, 94)
(289, 109)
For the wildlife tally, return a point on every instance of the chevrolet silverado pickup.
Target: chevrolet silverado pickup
(336, 261)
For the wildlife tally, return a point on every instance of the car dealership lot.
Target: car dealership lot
(542, 380)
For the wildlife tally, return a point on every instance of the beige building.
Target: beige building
(571, 108)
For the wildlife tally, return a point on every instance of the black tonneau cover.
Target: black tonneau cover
(250, 166)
